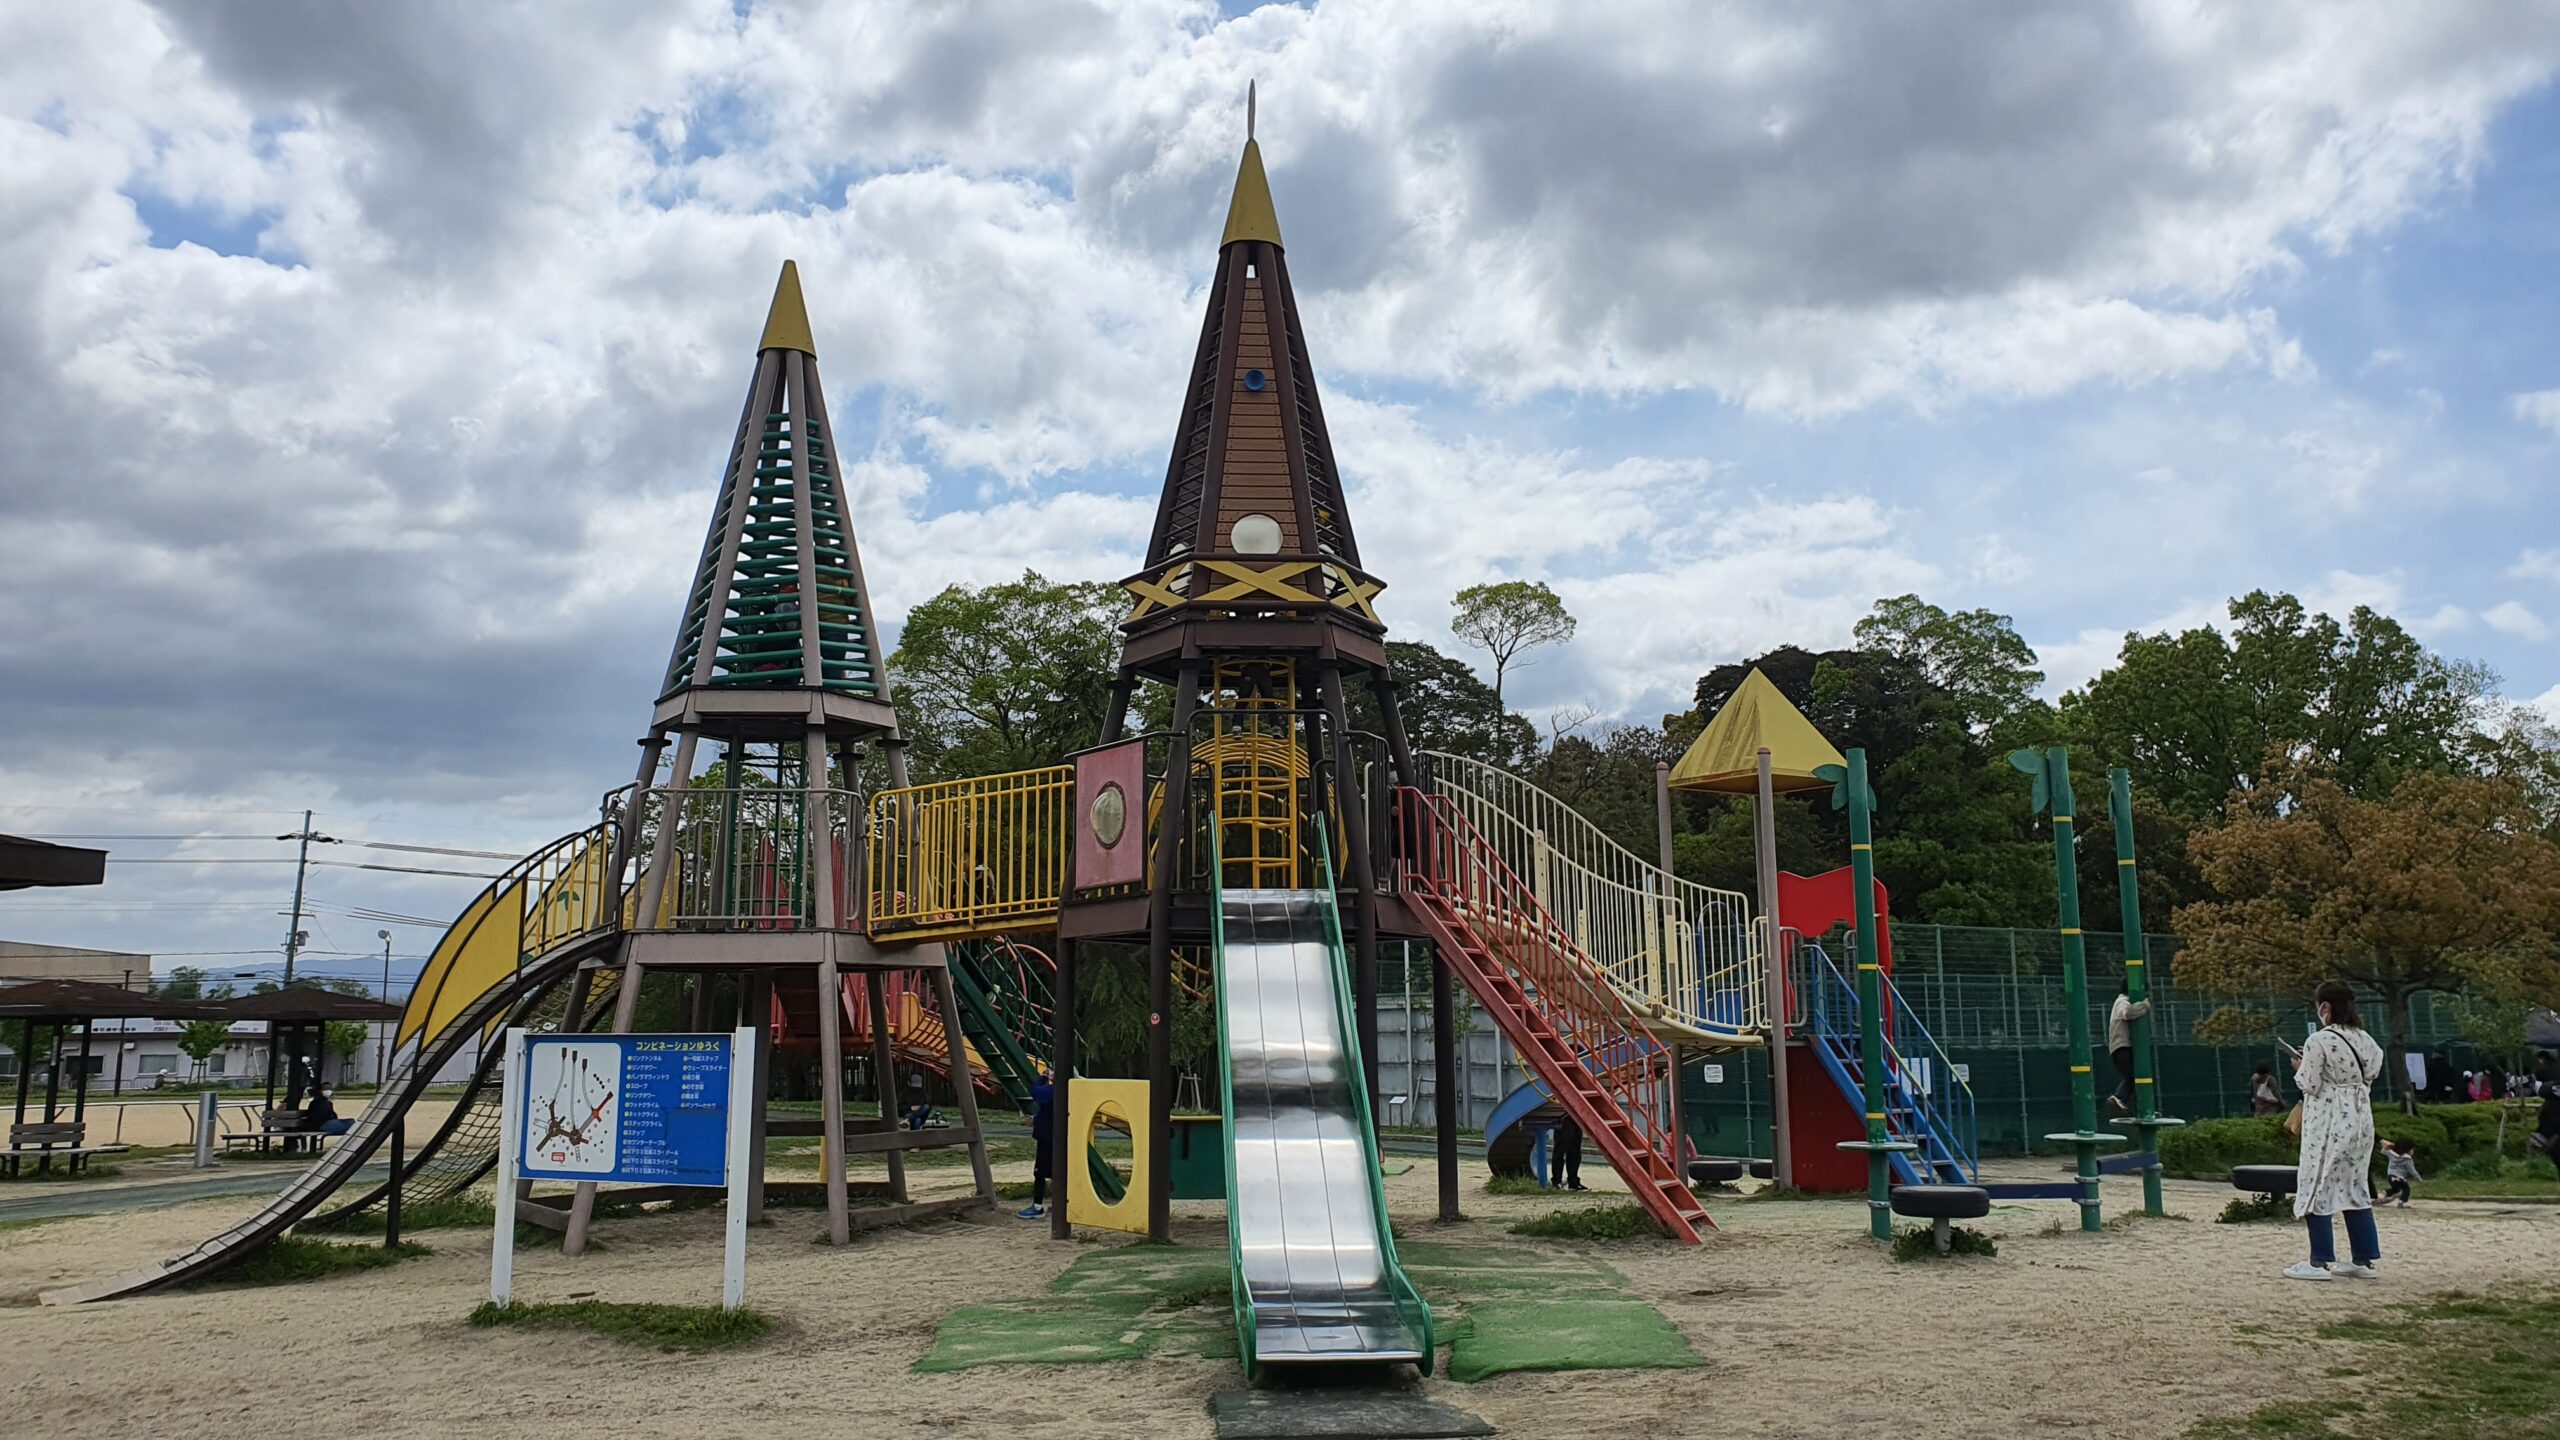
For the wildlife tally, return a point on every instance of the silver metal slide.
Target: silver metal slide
(1316, 1277)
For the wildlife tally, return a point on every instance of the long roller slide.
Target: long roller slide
(1316, 1277)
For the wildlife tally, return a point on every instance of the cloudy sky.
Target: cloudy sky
(365, 371)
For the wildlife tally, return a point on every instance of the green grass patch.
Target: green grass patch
(2250, 1209)
(295, 1258)
(467, 1211)
(1920, 1242)
(2453, 1367)
(1614, 1222)
(666, 1327)
(59, 1174)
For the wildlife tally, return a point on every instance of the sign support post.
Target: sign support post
(741, 1167)
(502, 1246)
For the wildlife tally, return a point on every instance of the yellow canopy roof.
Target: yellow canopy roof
(1250, 215)
(1727, 756)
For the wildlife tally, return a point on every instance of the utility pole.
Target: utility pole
(293, 933)
(382, 1037)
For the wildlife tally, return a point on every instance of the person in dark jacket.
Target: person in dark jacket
(1043, 1145)
(1564, 1156)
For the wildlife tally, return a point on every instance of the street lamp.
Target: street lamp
(382, 1042)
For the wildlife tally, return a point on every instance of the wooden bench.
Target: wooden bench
(53, 1140)
(280, 1124)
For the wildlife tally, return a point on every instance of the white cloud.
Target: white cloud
(2548, 702)
(2539, 408)
(2512, 618)
(2536, 565)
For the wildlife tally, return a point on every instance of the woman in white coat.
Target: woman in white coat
(2336, 1070)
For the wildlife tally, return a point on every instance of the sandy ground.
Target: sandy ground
(2129, 1333)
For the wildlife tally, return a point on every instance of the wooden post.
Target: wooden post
(962, 1082)
(1172, 828)
(758, 1018)
(883, 1062)
(1062, 1065)
(831, 1097)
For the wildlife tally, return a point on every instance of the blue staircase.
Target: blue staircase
(1925, 1102)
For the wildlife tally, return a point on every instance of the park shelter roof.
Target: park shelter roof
(25, 862)
(306, 1003)
(1726, 756)
(66, 1000)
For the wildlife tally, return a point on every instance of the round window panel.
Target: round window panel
(1255, 535)
(1254, 380)
(1110, 816)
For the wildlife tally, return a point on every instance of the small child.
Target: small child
(2402, 1158)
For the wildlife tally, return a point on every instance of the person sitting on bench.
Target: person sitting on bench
(321, 1118)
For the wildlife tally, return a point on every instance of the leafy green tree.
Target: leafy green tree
(185, 982)
(1445, 707)
(1975, 657)
(1505, 618)
(199, 1039)
(2195, 714)
(992, 678)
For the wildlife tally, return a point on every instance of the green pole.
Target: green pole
(2052, 771)
(1849, 790)
(2147, 1120)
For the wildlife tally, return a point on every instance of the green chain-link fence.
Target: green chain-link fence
(1994, 1000)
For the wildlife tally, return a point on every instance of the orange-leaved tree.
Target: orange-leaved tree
(2447, 883)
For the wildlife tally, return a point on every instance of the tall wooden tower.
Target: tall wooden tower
(1253, 609)
(739, 839)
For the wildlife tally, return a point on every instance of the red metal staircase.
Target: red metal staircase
(1570, 1026)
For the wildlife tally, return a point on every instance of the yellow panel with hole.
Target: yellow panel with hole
(1088, 1103)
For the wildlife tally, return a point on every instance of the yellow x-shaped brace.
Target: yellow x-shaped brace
(1153, 596)
(1249, 581)
(1355, 592)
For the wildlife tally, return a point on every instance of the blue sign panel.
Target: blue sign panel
(626, 1109)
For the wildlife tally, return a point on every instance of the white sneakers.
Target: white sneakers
(2342, 1269)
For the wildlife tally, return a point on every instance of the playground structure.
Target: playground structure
(1260, 848)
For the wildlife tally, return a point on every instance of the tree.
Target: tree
(1445, 706)
(199, 1039)
(994, 678)
(1506, 617)
(1975, 656)
(186, 982)
(2443, 884)
(2195, 714)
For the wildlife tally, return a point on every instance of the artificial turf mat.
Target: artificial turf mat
(1500, 1309)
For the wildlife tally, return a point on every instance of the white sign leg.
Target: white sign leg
(502, 1245)
(741, 1169)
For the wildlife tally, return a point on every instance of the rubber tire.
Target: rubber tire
(1764, 1170)
(1942, 1202)
(2264, 1179)
(1715, 1172)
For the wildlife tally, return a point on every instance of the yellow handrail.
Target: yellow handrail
(979, 856)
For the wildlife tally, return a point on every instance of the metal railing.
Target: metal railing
(559, 894)
(1683, 952)
(971, 857)
(1921, 1081)
(747, 859)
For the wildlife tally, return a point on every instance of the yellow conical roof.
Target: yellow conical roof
(1249, 214)
(786, 325)
(1727, 756)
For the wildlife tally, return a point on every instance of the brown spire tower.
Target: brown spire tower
(745, 881)
(1253, 609)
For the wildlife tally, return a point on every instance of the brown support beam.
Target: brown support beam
(831, 1165)
(1172, 827)
(1062, 1065)
(1444, 1081)
(1364, 882)
(1204, 539)
(950, 1006)
(883, 1064)
(759, 1016)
